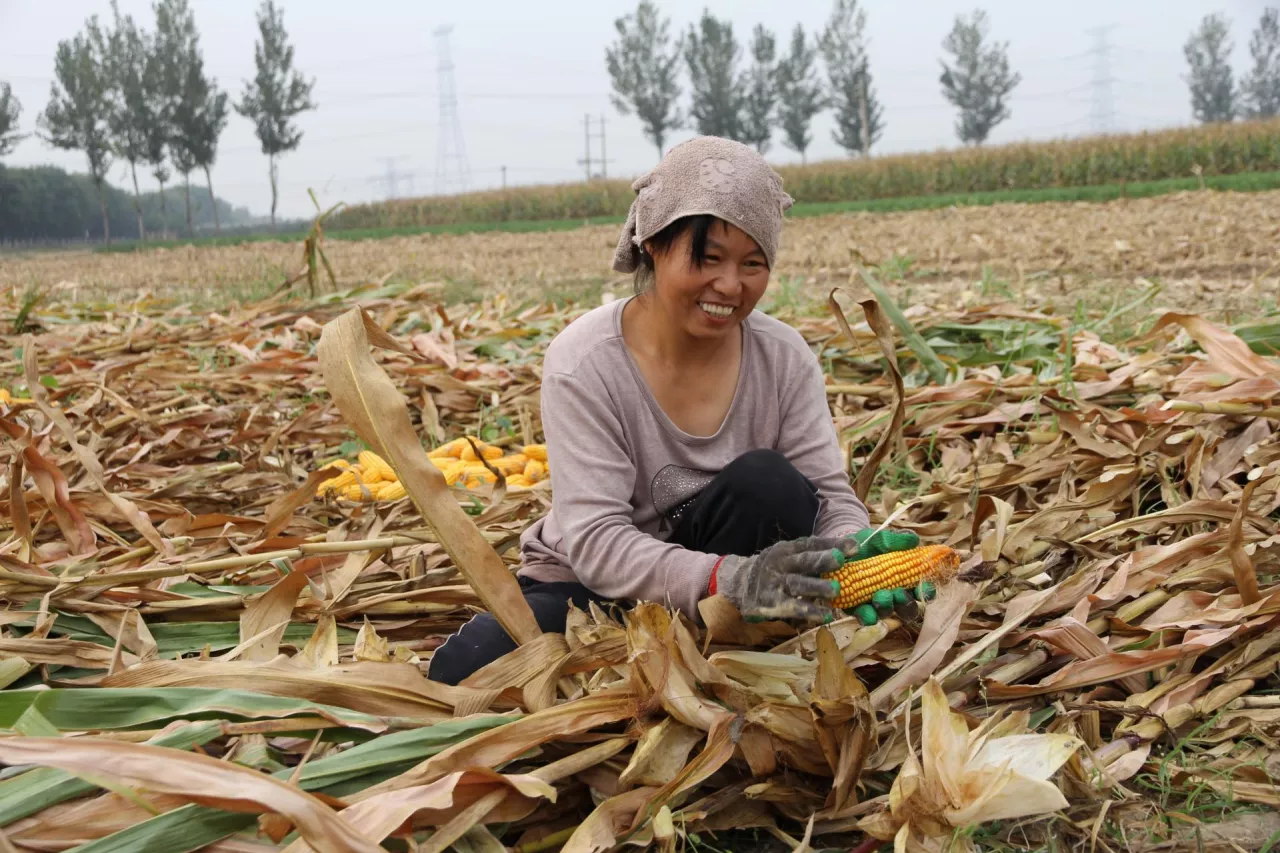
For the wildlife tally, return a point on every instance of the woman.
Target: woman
(689, 437)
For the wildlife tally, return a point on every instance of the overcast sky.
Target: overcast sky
(526, 73)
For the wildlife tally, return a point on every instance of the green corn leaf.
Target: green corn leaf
(11, 669)
(34, 724)
(106, 708)
(176, 638)
(927, 357)
(37, 789)
(191, 827)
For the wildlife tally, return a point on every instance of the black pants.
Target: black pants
(757, 500)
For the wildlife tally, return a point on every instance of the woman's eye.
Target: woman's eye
(713, 259)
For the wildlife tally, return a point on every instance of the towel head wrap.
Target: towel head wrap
(706, 175)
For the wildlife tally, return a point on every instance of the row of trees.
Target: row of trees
(122, 92)
(40, 204)
(785, 91)
(1215, 93)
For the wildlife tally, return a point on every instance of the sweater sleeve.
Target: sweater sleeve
(808, 439)
(593, 477)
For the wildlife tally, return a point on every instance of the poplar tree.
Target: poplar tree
(276, 96)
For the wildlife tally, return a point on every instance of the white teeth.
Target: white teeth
(716, 310)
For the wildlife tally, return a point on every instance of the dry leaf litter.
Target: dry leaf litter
(206, 648)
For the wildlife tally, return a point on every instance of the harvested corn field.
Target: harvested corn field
(205, 648)
(1216, 251)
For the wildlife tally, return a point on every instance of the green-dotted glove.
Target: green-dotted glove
(883, 602)
(874, 543)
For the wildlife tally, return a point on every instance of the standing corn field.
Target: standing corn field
(1210, 150)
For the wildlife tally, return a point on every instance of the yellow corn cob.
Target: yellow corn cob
(455, 473)
(510, 464)
(487, 450)
(390, 491)
(536, 451)
(338, 483)
(353, 493)
(861, 579)
(374, 468)
(448, 466)
(518, 481)
(535, 470)
(450, 449)
(475, 479)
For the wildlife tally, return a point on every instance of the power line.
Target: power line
(365, 97)
(451, 156)
(414, 95)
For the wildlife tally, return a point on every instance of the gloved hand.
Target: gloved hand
(872, 544)
(784, 580)
(885, 601)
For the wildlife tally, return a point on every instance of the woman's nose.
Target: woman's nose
(727, 284)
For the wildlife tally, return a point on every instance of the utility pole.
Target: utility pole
(452, 171)
(863, 118)
(390, 179)
(1102, 113)
(506, 202)
(393, 176)
(587, 136)
(393, 185)
(604, 161)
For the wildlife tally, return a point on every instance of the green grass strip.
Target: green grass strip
(1243, 182)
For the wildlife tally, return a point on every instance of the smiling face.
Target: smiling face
(707, 290)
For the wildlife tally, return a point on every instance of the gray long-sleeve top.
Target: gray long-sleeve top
(618, 464)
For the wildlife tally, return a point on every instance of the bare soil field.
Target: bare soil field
(1212, 252)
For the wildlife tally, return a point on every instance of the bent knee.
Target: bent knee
(480, 641)
(766, 475)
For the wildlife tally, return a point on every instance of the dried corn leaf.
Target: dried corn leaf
(379, 415)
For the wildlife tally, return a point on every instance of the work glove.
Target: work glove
(784, 580)
(873, 543)
(868, 543)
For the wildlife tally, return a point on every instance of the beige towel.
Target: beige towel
(712, 175)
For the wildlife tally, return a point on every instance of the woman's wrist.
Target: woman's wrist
(711, 583)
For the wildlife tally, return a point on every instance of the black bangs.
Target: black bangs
(698, 227)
